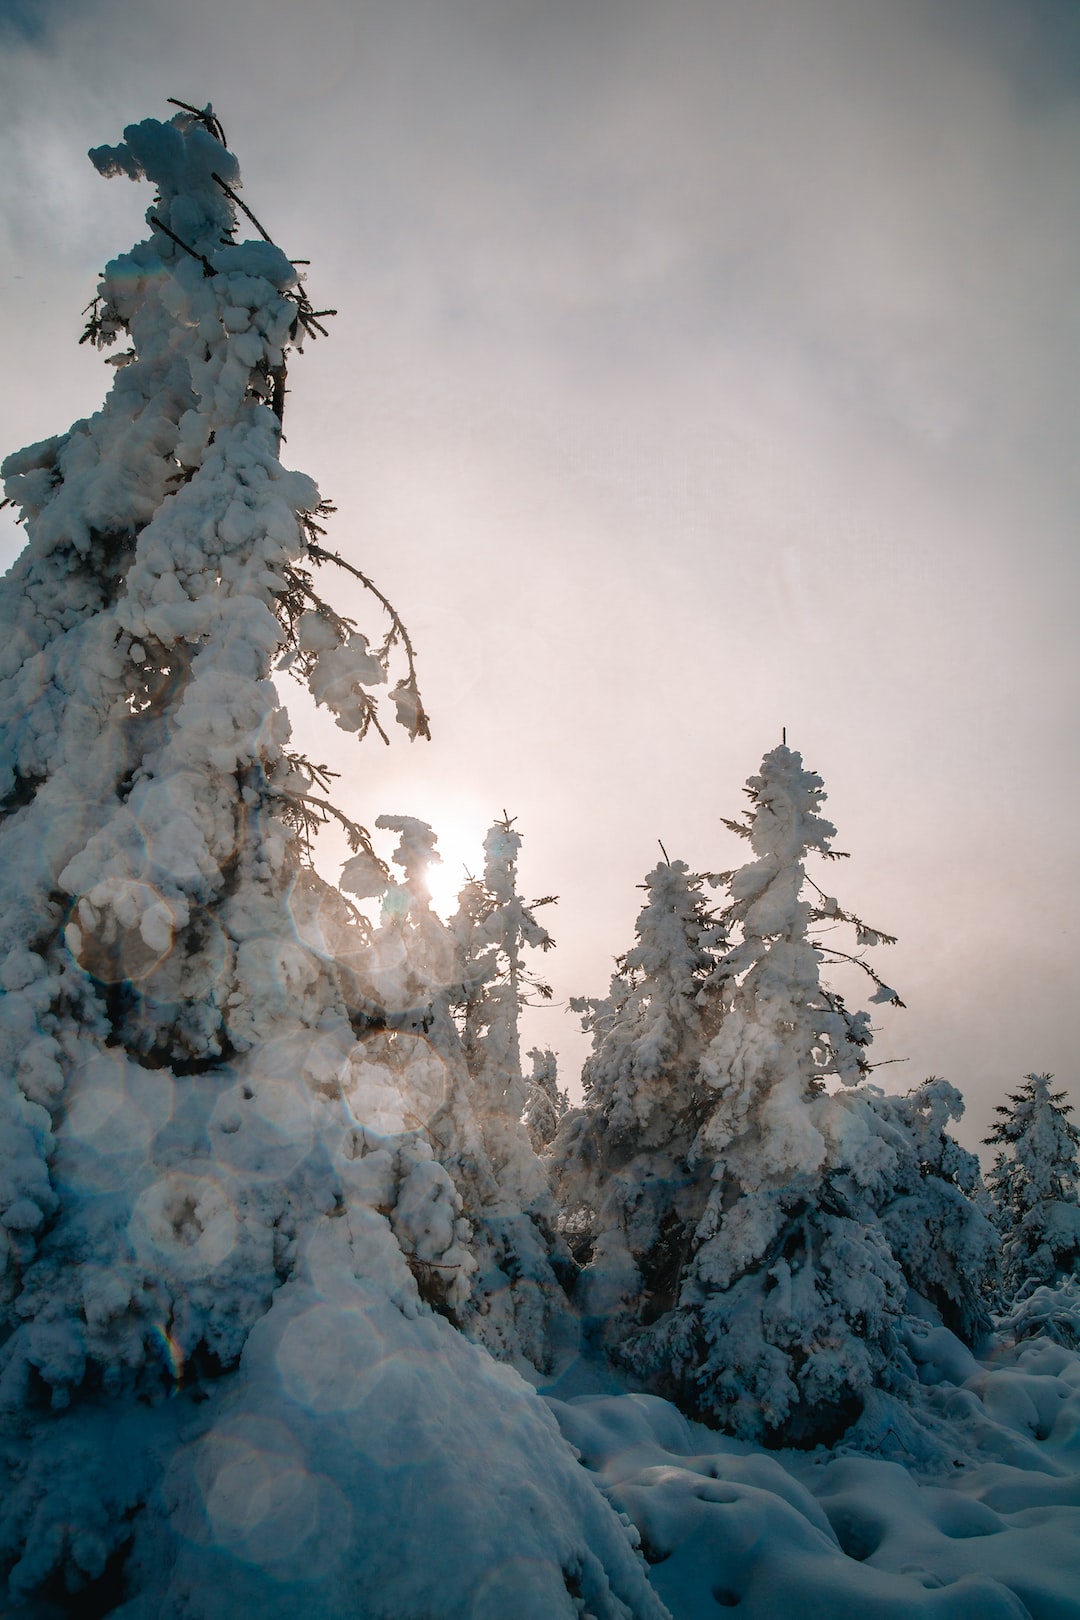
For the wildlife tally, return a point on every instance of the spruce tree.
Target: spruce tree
(630, 1198)
(212, 1343)
(155, 817)
(545, 1104)
(437, 1009)
(493, 927)
(524, 1308)
(926, 1191)
(790, 1300)
(1034, 1185)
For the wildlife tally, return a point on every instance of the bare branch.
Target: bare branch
(159, 225)
(208, 119)
(241, 204)
(322, 809)
(858, 961)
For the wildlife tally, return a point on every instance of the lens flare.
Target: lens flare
(172, 1355)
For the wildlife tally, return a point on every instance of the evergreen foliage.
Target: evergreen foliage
(438, 1026)
(927, 1199)
(629, 1197)
(155, 819)
(790, 1298)
(491, 931)
(545, 1104)
(492, 928)
(1034, 1184)
(243, 1179)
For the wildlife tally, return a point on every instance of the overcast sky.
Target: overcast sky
(700, 370)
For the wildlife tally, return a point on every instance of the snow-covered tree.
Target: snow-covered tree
(212, 1345)
(436, 1010)
(641, 1080)
(153, 815)
(410, 954)
(926, 1191)
(492, 1275)
(545, 1104)
(493, 928)
(790, 1299)
(1034, 1183)
(631, 1200)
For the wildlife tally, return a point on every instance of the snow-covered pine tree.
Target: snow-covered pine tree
(475, 1217)
(493, 927)
(630, 1199)
(410, 959)
(408, 1075)
(212, 1345)
(545, 1104)
(791, 1299)
(925, 1189)
(1034, 1184)
(512, 1209)
(153, 812)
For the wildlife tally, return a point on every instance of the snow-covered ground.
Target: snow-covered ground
(995, 1535)
(366, 1460)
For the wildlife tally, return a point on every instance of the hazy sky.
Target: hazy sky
(700, 370)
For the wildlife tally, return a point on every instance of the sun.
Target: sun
(461, 846)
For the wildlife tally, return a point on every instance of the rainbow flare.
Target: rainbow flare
(171, 1354)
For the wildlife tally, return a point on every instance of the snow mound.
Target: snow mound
(364, 1458)
(369, 1461)
(835, 1537)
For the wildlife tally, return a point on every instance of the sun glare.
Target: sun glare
(462, 851)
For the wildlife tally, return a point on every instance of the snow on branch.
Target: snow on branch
(406, 694)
